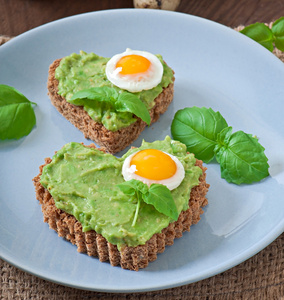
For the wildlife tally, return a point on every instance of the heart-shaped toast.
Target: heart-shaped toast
(81, 200)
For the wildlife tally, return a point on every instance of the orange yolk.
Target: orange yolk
(133, 64)
(153, 164)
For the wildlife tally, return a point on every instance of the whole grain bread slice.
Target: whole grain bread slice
(94, 244)
(112, 141)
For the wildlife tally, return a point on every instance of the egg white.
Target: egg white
(135, 82)
(171, 183)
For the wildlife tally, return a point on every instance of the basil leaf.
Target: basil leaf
(279, 43)
(127, 188)
(101, 94)
(206, 134)
(131, 103)
(120, 102)
(260, 33)
(278, 27)
(278, 32)
(157, 195)
(161, 198)
(96, 93)
(132, 186)
(241, 157)
(198, 128)
(17, 117)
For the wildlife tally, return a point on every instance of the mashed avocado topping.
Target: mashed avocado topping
(82, 182)
(77, 72)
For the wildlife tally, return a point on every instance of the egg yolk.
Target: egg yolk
(153, 164)
(133, 64)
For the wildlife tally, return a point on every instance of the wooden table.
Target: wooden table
(18, 16)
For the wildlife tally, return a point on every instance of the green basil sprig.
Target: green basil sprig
(17, 117)
(269, 38)
(120, 102)
(207, 135)
(157, 195)
(198, 128)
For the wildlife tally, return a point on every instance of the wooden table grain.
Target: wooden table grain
(18, 16)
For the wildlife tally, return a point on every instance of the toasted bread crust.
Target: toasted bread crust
(94, 244)
(112, 141)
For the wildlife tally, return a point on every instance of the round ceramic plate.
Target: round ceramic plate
(215, 67)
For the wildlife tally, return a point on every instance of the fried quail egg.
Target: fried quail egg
(134, 70)
(154, 166)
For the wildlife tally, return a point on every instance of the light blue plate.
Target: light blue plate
(215, 67)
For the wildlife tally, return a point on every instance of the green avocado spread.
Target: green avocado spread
(82, 182)
(82, 71)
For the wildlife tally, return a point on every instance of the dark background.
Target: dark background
(18, 16)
